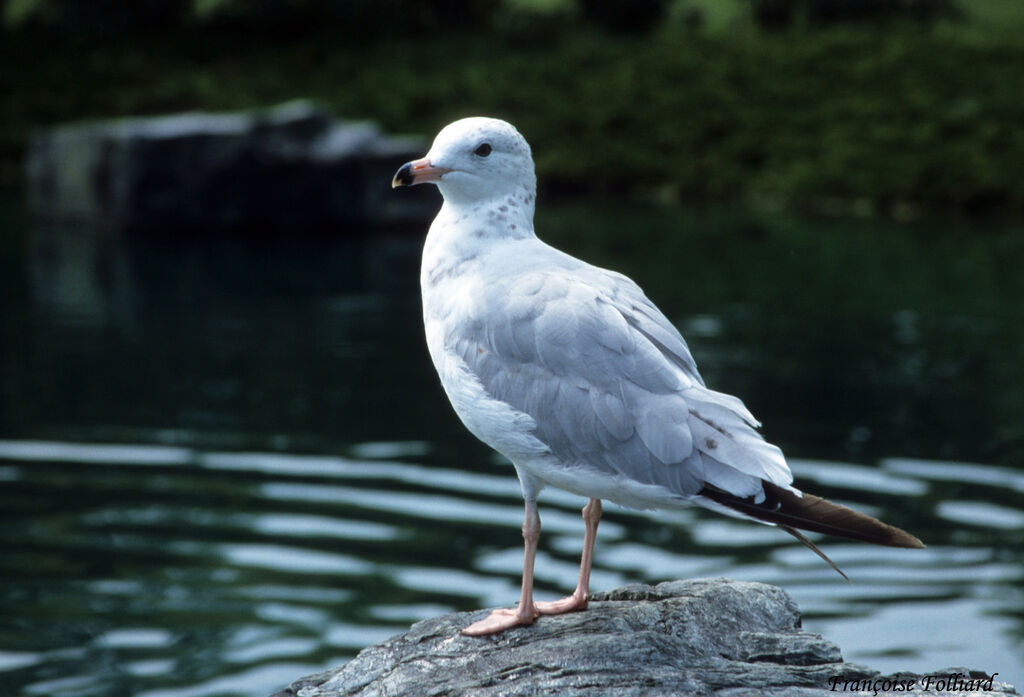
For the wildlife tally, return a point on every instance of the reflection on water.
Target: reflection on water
(130, 562)
(229, 465)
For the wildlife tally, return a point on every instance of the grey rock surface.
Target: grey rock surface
(285, 170)
(700, 637)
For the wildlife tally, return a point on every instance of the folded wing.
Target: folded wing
(611, 385)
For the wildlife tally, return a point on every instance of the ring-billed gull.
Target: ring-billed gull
(576, 377)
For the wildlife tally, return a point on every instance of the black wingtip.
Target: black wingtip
(809, 512)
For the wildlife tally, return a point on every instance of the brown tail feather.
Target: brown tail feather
(809, 512)
(814, 548)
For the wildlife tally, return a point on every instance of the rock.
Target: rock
(288, 170)
(701, 637)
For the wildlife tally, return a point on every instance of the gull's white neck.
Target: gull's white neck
(504, 216)
(464, 231)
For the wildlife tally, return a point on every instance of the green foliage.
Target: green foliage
(205, 9)
(95, 16)
(18, 12)
(848, 119)
(353, 17)
(624, 15)
(775, 14)
(350, 17)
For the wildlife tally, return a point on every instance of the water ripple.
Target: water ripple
(272, 558)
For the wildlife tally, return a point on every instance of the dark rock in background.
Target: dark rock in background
(289, 170)
(700, 637)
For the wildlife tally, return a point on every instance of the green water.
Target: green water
(226, 464)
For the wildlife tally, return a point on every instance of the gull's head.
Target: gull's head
(474, 160)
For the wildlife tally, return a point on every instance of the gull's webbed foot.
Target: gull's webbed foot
(572, 603)
(500, 620)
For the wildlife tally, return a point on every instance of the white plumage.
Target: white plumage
(565, 368)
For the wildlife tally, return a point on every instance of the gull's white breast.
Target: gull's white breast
(453, 276)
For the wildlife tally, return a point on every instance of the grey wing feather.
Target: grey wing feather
(611, 384)
(647, 319)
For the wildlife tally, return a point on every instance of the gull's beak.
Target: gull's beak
(417, 172)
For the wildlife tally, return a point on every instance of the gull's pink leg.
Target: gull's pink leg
(581, 596)
(526, 612)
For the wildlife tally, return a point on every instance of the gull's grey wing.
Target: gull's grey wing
(646, 318)
(611, 384)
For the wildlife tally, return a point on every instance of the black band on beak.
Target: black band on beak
(403, 177)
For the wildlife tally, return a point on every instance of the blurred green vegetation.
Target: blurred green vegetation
(880, 113)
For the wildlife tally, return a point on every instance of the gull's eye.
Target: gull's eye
(484, 150)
